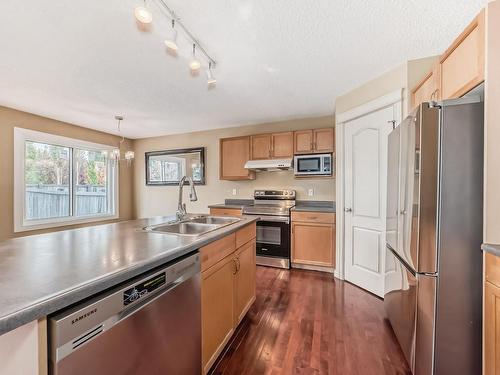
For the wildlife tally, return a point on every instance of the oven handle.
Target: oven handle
(277, 219)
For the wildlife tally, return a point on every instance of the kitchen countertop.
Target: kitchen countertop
(492, 249)
(301, 205)
(44, 273)
(233, 203)
(316, 206)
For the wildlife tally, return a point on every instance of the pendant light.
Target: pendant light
(211, 81)
(143, 15)
(171, 41)
(115, 153)
(195, 64)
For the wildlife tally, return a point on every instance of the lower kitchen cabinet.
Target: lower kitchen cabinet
(227, 289)
(225, 211)
(217, 300)
(313, 239)
(491, 329)
(244, 291)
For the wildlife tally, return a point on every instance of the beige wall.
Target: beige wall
(405, 76)
(9, 119)
(492, 123)
(160, 200)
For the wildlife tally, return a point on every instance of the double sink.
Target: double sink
(193, 226)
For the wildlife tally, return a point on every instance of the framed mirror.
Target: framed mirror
(169, 166)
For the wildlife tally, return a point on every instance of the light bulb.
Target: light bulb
(129, 155)
(143, 15)
(115, 154)
(194, 65)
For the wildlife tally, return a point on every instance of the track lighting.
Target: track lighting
(142, 14)
(195, 64)
(171, 41)
(145, 18)
(211, 81)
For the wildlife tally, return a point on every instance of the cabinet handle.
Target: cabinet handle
(239, 264)
(235, 267)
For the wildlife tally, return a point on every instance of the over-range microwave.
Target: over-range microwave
(313, 165)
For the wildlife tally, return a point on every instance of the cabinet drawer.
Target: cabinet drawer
(314, 217)
(216, 251)
(246, 234)
(225, 212)
(492, 269)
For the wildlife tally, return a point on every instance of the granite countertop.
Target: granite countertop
(44, 273)
(315, 206)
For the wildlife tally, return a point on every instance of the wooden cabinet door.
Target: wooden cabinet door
(303, 142)
(424, 91)
(282, 145)
(261, 146)
(463, 64)
(217, 309)
(244, 280)
(491, 329)
(313, 244)
(233, 154)
(225, 211)
(324, 140)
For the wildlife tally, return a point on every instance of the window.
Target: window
(61, 181)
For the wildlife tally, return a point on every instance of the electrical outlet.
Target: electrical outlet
(310, 192)
(235, 192)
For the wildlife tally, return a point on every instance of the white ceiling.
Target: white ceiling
(83, 61)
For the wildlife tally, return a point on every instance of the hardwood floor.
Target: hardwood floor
(306, 322)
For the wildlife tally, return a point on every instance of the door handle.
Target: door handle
(347, 209)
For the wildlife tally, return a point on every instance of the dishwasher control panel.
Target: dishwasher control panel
(145, 287)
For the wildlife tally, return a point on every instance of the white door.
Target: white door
(366, 196)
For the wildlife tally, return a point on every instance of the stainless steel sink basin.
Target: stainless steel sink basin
(188, 228)
(217, 220)
(193, 226)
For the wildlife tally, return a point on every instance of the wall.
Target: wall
(161, 200)
(405, 76)
(9, 119)
(492, 126)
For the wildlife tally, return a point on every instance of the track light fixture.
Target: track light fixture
(211, 81)
(195, 64)
(142, 14)
(171, 41)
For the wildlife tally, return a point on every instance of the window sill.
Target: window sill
(48, 224)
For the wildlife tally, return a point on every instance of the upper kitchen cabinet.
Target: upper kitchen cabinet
(282, 145)
(462, 65)
(428, 89)
(261, 146)
(314, 141)
(272, 146)
(234, 153)
(459, 69)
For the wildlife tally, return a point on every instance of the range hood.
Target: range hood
(269, 165)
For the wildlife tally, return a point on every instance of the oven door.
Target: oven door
(273, 237)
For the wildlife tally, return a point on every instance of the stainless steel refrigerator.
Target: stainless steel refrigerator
(433, 276)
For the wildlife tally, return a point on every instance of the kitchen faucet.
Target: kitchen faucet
(181, 207)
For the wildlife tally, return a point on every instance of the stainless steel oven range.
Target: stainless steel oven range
(273, 228)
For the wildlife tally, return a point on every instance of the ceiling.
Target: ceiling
(83, 61)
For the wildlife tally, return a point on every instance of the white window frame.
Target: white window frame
(21, 136)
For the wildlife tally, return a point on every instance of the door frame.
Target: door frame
(341, 119)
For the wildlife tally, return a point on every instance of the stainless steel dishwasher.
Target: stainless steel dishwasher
(150, 325)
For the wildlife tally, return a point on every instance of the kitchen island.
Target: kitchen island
(45, 273)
